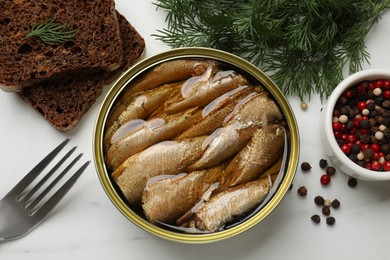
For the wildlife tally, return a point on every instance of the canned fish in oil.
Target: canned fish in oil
(195, 121)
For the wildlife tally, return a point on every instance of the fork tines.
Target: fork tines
(30, 198)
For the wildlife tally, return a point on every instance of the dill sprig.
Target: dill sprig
(52, 32)
(304, 45)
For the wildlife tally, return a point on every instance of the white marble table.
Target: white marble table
(86, 225)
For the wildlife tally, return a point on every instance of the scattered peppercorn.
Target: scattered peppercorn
(323, 163)
(330, 221)
(318, 200)
(325, 179)
(304, 105)
(330, 170)
(302, 191)
(352, 182)
(316, 218)
(335, 204)
(326, 210)
(291, 186)
(305, 166)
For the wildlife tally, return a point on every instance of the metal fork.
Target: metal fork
(21, 210)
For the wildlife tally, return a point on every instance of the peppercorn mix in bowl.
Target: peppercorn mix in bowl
(195, 145)
(356, 125)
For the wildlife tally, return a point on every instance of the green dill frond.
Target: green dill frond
(52, 32)
(303, 45)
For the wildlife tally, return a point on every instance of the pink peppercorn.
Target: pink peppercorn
(325, 179)
(378, 83)
(386, 84)
(386, 166)
(336, 126)
(346, 148)
(360, 91)
(361, 105)
(368, 166)
(338, 134)
(352, 138)
(386, 94)
(375, 165)
(375, 147)
(348, 94)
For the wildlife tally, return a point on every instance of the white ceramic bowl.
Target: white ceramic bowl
(332, 150)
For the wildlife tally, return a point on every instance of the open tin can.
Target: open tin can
(280, 181)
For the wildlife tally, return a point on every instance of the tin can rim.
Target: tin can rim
(193, 52)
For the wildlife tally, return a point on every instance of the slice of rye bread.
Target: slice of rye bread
(25, 61)
(63, 102)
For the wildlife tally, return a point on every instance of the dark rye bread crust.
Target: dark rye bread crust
(25, 61)
(63, 102)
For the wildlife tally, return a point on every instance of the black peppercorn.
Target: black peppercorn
(352, 182)
(364, 138)
(355, 149)
(372, 123)
(305, 166)
(316, 219)
(350, 125)
(343, 100)
(353, 112)
(302, 191)
(323, 163)
(318, 200)
(330, 170)
(358, 136)
(386, 132)
(353, 157)
(374, 129)
(378, 100)
(379, 109)
(340, 141)
(379, 119)
(386, 104)
(326, 210)
(363, 97)
(345, 110)
(373, 113)
(330, 221)
(373, 139)
(368, 154)
(352, 102)
(365, 124)
(370, 106)
(386, 113)
(336, 203)
(386, 122)
(361, 163)
(385, 148)
(370, 95)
